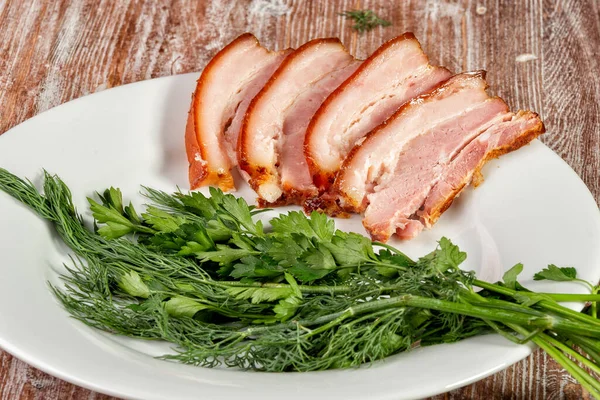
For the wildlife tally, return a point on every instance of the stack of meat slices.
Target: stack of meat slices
(391, 137)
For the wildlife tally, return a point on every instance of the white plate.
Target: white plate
(532, 208)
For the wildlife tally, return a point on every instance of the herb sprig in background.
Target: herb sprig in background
(364, 20)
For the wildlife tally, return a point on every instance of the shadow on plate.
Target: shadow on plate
(174, 163)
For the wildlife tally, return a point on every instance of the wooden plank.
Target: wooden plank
(540, 54)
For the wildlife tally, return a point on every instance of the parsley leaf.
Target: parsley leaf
(307, 273)
(198, 204)
(162, 221)
(260, 294)
(181, 306)
(241, 241)
(236, 210)
(292, 222)
(113, 230)
(529, 299)
(510, 277)
(287, 307)
(323, 226)
(317, 226)
(105, 214)
(132, 215)
(286, 250)
(187, 239)
(561, 274)
(119, 221)
(224, 254)
(316, 263)
(554, 273)
(112, 198)
(388, 257)
(218, 231)
(399, 259)
(255, 267)
(133, 285)
(350, 248)
(448, 255)
(320, 257)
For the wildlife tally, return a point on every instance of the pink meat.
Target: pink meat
(224, 90)
(295, 175)
(501, 138)
(272, 137)
(440, 141)
(394, 201)
(398, 71)
(374, 161)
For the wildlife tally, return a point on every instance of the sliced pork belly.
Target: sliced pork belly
(500, 139)
(271, 143)
(429, 134)
(395, 199)
(398, 71)
(375, 159)
(225, 88)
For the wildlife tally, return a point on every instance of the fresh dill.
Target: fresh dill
(364, 20)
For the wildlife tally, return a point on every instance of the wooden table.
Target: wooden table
(540, 55)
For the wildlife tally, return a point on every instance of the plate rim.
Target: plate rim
(30, 359)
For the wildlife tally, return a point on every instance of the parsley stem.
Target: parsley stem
(593, 354)
(564, 297)
(542, 340)
(340, 289)
(566, 349)
(588, 382)
(391, 248)
(499, 315)
(494, 288)
(305, 289)
(590, 344)
(550, 345)
(548, 305)
(595, 303)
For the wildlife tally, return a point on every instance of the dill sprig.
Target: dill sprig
(202, 273)
(365, 20)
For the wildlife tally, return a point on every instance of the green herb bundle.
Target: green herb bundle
(294, 295)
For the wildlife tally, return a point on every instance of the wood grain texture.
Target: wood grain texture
(540, 54)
